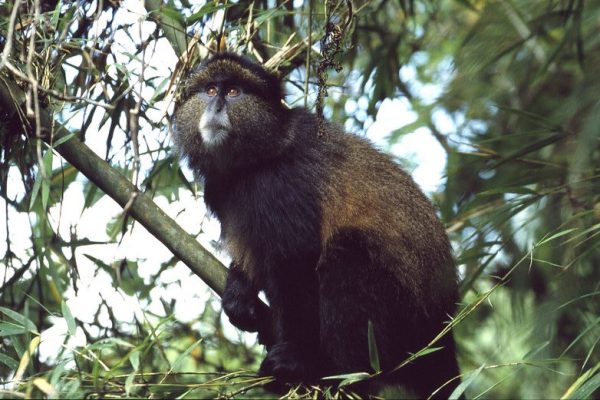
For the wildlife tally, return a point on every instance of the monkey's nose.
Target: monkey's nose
(219, 105)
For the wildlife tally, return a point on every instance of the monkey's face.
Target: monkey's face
(218, 98)
(230, 115)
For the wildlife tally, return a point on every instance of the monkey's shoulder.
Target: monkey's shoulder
(312, 135)
(332, 148)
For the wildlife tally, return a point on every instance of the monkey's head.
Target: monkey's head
(229, 116)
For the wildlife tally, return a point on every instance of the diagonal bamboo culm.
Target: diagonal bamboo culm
(139, 205)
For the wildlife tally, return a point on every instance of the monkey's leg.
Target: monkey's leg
(357, 286)
(353, 290)
(241, 304)
(292, 294)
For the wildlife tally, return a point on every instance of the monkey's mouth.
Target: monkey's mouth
(213, 135)
(214, 128)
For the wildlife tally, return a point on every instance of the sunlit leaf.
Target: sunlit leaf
(21, 320)
(66, 312)
(464, 385)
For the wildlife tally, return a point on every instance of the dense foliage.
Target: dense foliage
(92, 305)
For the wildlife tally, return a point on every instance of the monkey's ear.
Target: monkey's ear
(218, 44)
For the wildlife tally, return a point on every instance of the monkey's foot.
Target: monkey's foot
(288, 364)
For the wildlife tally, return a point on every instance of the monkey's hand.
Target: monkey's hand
(241, 304)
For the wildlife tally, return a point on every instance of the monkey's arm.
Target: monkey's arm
(241, 304)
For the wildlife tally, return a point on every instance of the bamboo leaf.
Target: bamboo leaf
(66, 312)
(585, 385)
(460, 389)
(20, 319)
(8, 329)
(373, 354)
(10, 362)
(556, 236)
(26, 357)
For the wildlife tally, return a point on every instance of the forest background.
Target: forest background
(504, 96)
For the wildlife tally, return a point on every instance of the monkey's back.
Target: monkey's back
(365, 190)
(380, 232)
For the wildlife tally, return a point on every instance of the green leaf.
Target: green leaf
(20, 319)
(269, 14)
(208, 8)
(404, 130)
(171, 21)
(373, 354)
(56, 15)
(509, 189)
(108, 343)
(540, 120)
(159, 91)
(57, 373)
(11, 363)
(171, 13)
(129, 383)
(63, 139)
(555, 236)
(66, 312)
(585, 385)
(576, 299)
(460, 389)
(184, 355)
(54, 272)
(129, 279)
(428, 350)
(36, 189)
(582, 333)
(527, 149)
(588, 388)
(92, 195)
(47, 166)
(9, 328)
(357, 377)
(71, 390)
(348, 379)
(45, 193)
(116, 226)
(134, 359)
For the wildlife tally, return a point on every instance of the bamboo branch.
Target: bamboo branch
(139, 205)
(172, 28)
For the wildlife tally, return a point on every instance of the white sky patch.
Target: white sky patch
(419, 146)
(54, 337)
(429, 156)
(19, 222)
(391, 115)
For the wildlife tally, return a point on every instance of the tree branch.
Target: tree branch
(141, 207)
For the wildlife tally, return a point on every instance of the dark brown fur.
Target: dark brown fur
(333, 232)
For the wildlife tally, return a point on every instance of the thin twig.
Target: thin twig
(9, 36)
(308, 51)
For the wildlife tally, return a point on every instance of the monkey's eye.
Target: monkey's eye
(233, 91)
(211, 91)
